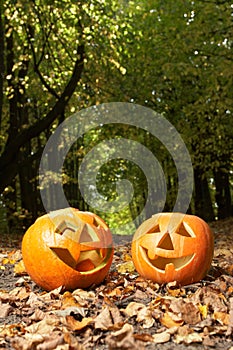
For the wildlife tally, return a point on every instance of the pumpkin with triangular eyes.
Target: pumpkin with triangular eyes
(67, 248)
(173, 247)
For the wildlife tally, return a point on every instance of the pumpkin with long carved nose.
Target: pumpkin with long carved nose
(67, 248)
(173, 247)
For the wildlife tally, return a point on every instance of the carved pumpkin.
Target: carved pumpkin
(173, 247)
(68, 248)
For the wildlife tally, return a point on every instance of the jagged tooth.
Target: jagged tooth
(170, 268)
(151, 255)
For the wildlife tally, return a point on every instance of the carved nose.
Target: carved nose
(166, 242)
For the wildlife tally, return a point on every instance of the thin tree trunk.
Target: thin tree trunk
(223, 194)
(2, 66)
(202, 198)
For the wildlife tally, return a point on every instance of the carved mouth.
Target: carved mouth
(160, 262)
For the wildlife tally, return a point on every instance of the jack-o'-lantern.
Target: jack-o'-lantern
(68, 248)
(173, 247)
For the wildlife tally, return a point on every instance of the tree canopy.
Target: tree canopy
(59, 57)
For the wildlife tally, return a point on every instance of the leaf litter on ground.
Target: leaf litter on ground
(124, 312)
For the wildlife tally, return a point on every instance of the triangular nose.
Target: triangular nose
(166, 242)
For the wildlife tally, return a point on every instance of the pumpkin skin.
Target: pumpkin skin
(173, 247)
(68, 248)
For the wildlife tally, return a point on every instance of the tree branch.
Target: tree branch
(10, 154)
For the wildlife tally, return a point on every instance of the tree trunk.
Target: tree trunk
(202, 198)
(2, 67)
(223, 194)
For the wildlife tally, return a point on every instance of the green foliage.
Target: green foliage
(175, 58)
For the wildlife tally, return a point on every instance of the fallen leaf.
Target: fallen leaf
(127, 267)
(107, 318)
(45, 326)
(203, 310)
(70, 310)
(160, 338)
(68, 300)
(168, 321)
(143, 337)
(193, 337)
(115, 292)
(122, 339)
(83, 297)
(190, 313)
(5, 310)
(75, 325)
(145, 315)
(230, 325)
(221, 317)
(133, 308)
(19, 268)
(210, 297)
(165, 336)
(103, 320)
(72, 341)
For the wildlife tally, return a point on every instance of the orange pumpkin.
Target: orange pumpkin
(68, 248)
(173, 247)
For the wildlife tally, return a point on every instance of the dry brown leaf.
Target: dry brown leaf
(69, 300)
(189, 338)
(230, 325)
(70, 310)
(115, 292)
(75, 325)
(143, 337)
(168, 321)
(160, 338)
(108, 318)
(145, 315)
(127, 257)
(53, 341)
(126, 267)
(27, 342)
(72, 341)
(122, 339)
(34, 300)
(45, 326)
(184, 330)
(83, 297)
(38, 315)
(221, 317)
(11, 330)
(19, 268)
(5, 310)
(15, 255)
(20, 293)
(164, 336)
(208, 296)
(190, 313)
(176, 292)
(133, 308)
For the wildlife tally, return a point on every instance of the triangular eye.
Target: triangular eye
(154, 229)
(63, 226)
(166, 242)
(183, 231)
(88, 234)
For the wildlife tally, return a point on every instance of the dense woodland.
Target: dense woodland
(59, 57)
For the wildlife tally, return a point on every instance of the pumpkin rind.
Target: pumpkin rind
(173, 247)
(54, 256)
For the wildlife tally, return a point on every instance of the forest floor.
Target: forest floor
(124, 312)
